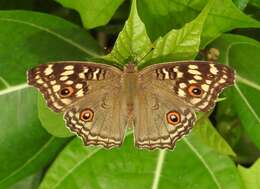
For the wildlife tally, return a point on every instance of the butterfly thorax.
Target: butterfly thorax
(130, 85)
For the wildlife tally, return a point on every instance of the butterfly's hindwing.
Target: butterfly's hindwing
(153, 127)
(106, 124)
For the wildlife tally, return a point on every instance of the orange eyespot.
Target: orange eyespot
(66, 92)
(173, 117)
(86, 115)
(195, 90)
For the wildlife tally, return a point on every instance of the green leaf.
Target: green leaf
(180, 44)
(24, 145)
(13, 4)
(209, 135)
(242, 54)
(241, 4)
(93, 13)
(53, 122)
(42, 38)
(250, 176)
(132, 43)
(255, 3)
(27, 39)
(30, 182)
(191, 165)
(224, 16)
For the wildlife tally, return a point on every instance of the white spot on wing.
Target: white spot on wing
(192, 66)
(179, 74)
(79, 86)
(203, 105)
(56, 105)
(205, 87)
(80, 93)
(182, 85)
(192, 81)
(95, 74)
(181, 93)
(166, 73)
(40, 81)
(81, 75)
(53, 82)
(195, 100)
(194, 72)
(208, 81)
(70, 67)
(69, 82)
(56, 88)
(213, 69)
(197, 77)
(189, 115)
(48, 70)
(63, 78)
(66, 101)
(222, 81)
(69, 72)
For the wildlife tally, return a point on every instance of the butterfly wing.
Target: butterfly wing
(197, 83)
(88, 94)
(161, 119)
(170, 94)
(99, 118)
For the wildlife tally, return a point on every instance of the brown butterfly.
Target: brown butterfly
(101, 101)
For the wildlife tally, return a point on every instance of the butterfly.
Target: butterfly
(159, 102)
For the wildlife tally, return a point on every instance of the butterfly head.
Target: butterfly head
(130, 68)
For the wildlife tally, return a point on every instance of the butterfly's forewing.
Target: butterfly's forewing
(197, 83)
(88, 94)
(176, 89)
(63, 83)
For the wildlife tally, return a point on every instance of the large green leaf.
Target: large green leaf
(42, 38)
(242, 54)
(191, 165)
(255, 3)
(208, 135)
(250, 176)
(27, 39)
(25, 147)
(93, 13)
(241, 4)
(160, 18)
(132, 43)
(30, 182)
(182, 44)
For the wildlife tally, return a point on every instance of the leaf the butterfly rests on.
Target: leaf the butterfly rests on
(100, 101)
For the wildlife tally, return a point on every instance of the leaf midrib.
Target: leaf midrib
(203, 162)
(76, 165)
(67, 40)
(242, 80)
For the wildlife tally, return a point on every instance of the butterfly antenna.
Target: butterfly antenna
(147, 54)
